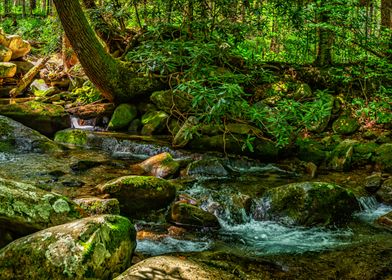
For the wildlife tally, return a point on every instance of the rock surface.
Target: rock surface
(15, 137)
(161, 166)
(140, 194)
(7, 70)
(310, 204)
(92, 248)
(154, 122)
(25, 209)
(98, 206)
(122, 117)
(168, 267)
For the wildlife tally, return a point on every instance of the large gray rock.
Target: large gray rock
(15, 137)
(140, 194)
(310, 203)
(168, 267)
(98, 247)
(25, 209)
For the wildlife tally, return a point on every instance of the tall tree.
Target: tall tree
(112, 77)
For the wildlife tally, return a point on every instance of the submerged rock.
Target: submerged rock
(161, 166)
(45, 118)
(98, 247)
(25, 209)
(140, 194)
(15, 137)
(188, 215)
(310, 203)
(168, 267)
(122, 117)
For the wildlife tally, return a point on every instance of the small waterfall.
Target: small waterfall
(371, 209)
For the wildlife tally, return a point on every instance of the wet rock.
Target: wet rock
(383, 157)
(5, 54)
(345, 125)
(72, 183)
(45, 118)
(310, 204)
(168, 267)
(98, 206)
(161, 166)
(384, 194)
(154, 122)
(135, 126)
(373, 182)
(184, 134)
(7, 70)
(188, 215)
(122, 117)
(385, 221)
(84, 165)
(15, 137)
(25, 209)
(311, 169)
(167, 100)
(140, 194)
(341, 156)
(363, 153)
(72, 136)
(207, 167)
(98, 247)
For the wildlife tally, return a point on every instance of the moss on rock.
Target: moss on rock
(71, 136)
(122, 117)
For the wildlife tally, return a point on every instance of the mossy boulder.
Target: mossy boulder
(45, 118)
(98, 247)
(25, 209)
(15, 137)
(122, 117)
(98, 206)
(162, 166)
(167, 100)
(303, 91)
(384, 193)
(154, 122)
(169, 267)
(311, 151)
(345, 125)
(310, 204)
(363, 153)
(188, 215)
(7, 70)
(326, 105)
(72, 136)
(140, 194)
(341, 157)
(383, 157)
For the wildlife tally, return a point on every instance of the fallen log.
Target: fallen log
(28, 78)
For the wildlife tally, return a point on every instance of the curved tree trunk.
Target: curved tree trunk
(109, 75)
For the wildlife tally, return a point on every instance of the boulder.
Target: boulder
(302, 92)
(310, 204)
(373, 182)
(23, 66)
(135, 126)
(140, 194)
(98, 247)
(167, 100)
(7, 70)
(72, 136)
(25, 209)
(169, 267)
(341, 157)
(122, 117)
(17, 45)
(385, 221)
(15, 137)
(384, 193)
(5, 54)
(45, 118)
(327, 103)
(207, 167)
(188, 215)
(154, 122)
(98, 206)
(345, 125)
(383, 157)
(310, 150)
(161, 166)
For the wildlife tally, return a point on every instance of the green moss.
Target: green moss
(122, 116)
(71, 136)
(345, 125)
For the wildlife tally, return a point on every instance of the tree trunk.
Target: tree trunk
(325, 42)
(110, 76)
(386, 22)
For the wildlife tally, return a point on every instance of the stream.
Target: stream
(233, 199)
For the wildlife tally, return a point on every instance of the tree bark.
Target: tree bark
(386, 22)
(112, 77)
(325, 42)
